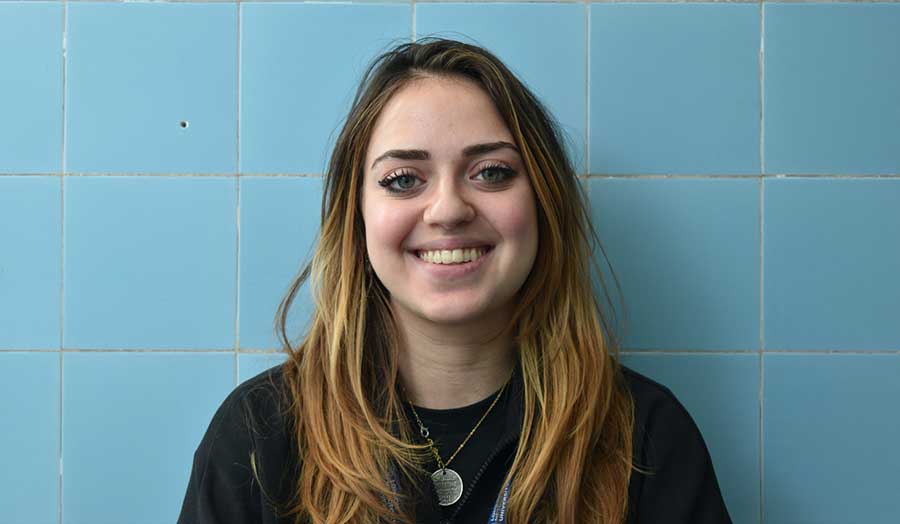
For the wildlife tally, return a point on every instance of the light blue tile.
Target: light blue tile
(31, 53)
(831, 263)
(543, 44)
(832, 74)
(721, 392)
(252, 364)
(29, 262)
(279, 226)
(29, 401)
(830, 439)
(674, 88)
(135, 71)
(295, 91)
(686, 253)
(140, 417)
(150, 262)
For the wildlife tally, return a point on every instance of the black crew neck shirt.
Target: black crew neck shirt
(682, 489)
(448, 428)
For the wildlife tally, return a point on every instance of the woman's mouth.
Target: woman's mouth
(442, 264)
(453, 256)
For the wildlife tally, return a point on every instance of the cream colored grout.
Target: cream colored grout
(237, 277)
(761, 433)
(762, 171)
(342, 2)
(183, 175)
(766, 352)
(762, 50)
(237, 218)
(585, 175)
(633, 351)
(749, 176)
(62, 259)
(401, 2)
(587, 88)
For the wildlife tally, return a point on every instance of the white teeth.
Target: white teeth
(454, 256)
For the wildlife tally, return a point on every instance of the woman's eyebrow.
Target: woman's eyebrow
(468, 151)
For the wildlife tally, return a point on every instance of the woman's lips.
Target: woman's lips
(451, 271)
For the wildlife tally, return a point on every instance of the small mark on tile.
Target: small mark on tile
(184, 124)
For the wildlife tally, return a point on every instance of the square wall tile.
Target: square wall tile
(29, 401)
(150, 262)
(674, 88)
(151, 87)
(135, 419)
(29, 261)
(830, 436)
(295, 92)
(31, 49)
(721, 392)
(832, 74)
(686, 253)
(831, 264)
(552, 65)
(252, 364)
(279, 227)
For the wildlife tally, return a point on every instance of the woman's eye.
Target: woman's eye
(496, 174)
(398, 182)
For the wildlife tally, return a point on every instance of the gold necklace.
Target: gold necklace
(447, 483)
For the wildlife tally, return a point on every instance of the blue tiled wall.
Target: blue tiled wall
(160, 184)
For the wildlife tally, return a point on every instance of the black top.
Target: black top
(221, 489)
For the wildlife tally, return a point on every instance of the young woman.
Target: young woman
(457, 367)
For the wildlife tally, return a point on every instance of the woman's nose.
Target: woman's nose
(448, 206)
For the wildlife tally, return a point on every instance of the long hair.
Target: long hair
(574, 459)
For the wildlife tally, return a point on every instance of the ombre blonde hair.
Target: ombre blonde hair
(574, 458)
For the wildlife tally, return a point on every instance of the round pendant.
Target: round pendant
(448, 485)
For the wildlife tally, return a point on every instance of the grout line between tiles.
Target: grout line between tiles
(587, 87)
(762, 50)
(237, 277)
(742, 176)
(412, 14)
(59, 427)
(762, 171)
(199, 351)
(62, 266)
(762, 406)
(762, 320)
(345, 2)
(237, 217)
(872, 352)
(585, 175)
(199, 175)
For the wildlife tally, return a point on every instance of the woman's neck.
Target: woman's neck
(445, 368)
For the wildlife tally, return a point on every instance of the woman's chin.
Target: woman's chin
(450, 314)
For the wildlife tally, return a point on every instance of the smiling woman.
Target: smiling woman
(458, 367)
(466, 188)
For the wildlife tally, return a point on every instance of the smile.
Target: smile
(452, 256)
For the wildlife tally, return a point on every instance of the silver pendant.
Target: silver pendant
(448, 485)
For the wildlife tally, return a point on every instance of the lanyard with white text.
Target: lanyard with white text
(498, 514)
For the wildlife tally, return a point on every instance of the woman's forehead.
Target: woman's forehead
(444, 115)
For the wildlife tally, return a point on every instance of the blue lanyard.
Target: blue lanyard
(498, 512)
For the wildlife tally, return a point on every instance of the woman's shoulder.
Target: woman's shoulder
(242, 458)
(660, 419)
(257, 404)
(681, 485)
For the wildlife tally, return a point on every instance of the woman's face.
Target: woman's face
(443, 177)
